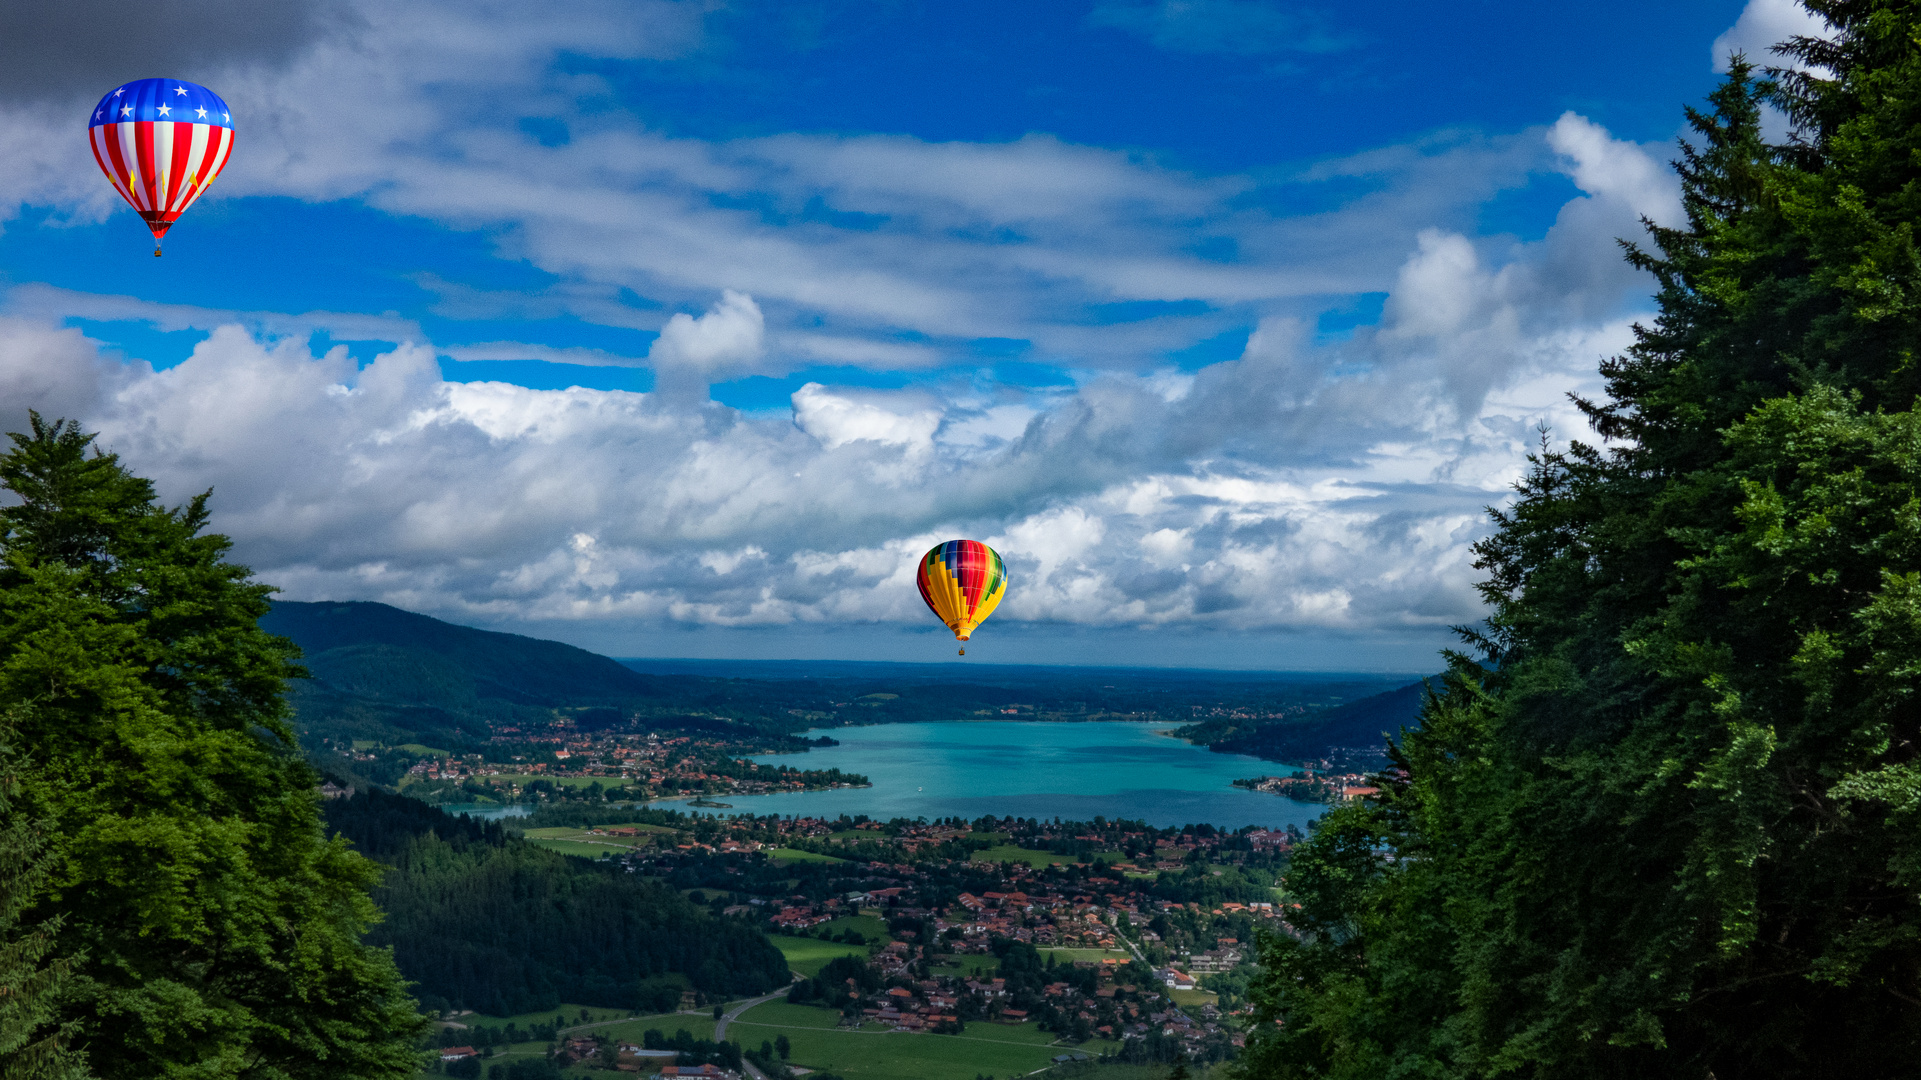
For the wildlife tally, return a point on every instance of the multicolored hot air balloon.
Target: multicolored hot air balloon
(161, 142)
(963, 582)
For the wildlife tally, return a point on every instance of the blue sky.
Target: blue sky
(681, 328)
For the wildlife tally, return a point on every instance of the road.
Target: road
(720, 1025)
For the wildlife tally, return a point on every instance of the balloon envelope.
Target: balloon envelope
(161, 142)
(963, 582)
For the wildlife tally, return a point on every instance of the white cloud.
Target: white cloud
(839, 419)
(1764, 24)
(1303, 484)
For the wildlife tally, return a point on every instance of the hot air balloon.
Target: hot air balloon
(161, 142)
(963, 582)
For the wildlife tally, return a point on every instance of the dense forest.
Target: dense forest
(1662, 819)
(478, 919)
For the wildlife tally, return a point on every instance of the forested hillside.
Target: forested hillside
(1668, 824)
(392, 676)
(1358, 728)
(484, 921)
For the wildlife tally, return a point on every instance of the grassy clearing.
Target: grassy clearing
(790, 855)
(809, 955)
(871, 927)
(617, 844)
(1063, 955)
(877, 1054)
(575, 847)
(1193, 997)
(1040, 860)
(569, 1013)
(971, 965)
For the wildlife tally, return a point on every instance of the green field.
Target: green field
(1040, 860)
(871, 927)
(877, 1054)
(1193, 997)
(603, 1021)
(558, 838)
(809, 955)
(969, 964)
(783, 854)
(1062, 956)
(575, 847)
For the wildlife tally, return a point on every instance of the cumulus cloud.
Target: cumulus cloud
(1763, 25)
(691, 352)
(1318, 485)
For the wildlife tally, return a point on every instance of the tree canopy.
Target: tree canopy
(1662, 822)
(219, 930)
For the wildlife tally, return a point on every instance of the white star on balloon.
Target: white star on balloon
(120, 91)
(164, 110)
(181, 90)
(227, 118)
(126, 110)
(202, 112)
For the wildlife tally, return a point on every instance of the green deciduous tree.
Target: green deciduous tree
(221, 930)
(1665, 826)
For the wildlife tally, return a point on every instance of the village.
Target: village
(1121, 941)
(536, 766)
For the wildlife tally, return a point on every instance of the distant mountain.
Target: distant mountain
(391, 676)
(372, 649)
(1363, 725)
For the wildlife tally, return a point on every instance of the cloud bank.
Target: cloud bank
(1310, 482)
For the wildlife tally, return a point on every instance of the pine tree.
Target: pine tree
(1665, 826)
(221, 930)
(34, 982)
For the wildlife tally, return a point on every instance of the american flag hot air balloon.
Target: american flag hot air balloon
(161, 142)
(963, 582)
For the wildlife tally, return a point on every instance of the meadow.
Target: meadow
(1039, 860)
(792, 855)
(809, 955)
(614, 1024)
(879, 1053)
(574, 841)
(1066, 955)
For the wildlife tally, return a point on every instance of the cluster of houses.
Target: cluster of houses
(1310, 786)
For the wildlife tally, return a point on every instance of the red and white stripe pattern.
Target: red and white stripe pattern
(161, 166)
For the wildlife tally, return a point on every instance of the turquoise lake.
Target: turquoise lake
(1036, 770)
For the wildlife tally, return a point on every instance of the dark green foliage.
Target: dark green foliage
(34, 983)
(1357, 725)
(221, 931)
(694, 1051)
(499, 925)
(1670, 829)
